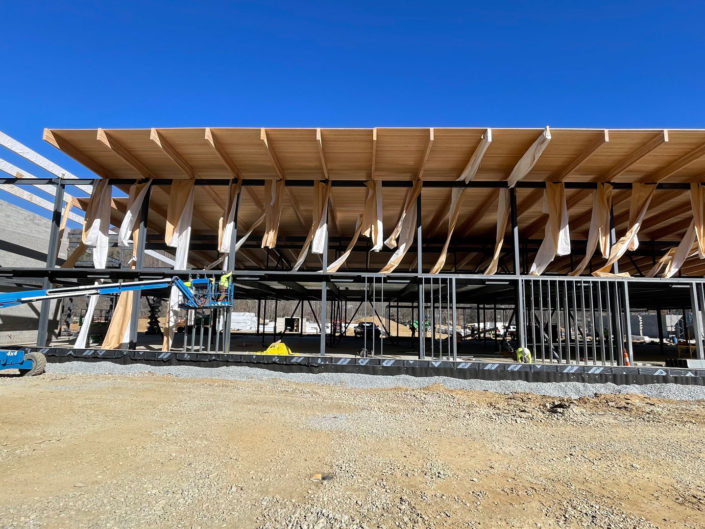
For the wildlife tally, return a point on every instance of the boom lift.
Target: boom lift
(199, 293)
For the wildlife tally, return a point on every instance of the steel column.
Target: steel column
(231, 266)
(324, 292)
(421, 283)
(455, 323)
(52, 251)
(628, 323)
(521, 331)
(139, 263)
(697, 322)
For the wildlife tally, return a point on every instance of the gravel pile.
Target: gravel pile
(553, 389)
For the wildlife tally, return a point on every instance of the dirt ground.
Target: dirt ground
(156, 451)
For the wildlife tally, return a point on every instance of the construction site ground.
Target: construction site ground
(82, 449)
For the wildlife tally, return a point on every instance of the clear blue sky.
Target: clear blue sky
(337, 63)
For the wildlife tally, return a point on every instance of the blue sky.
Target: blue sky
(115, 64)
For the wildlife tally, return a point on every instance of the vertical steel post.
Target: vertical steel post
(602, 322)
(617, 311)
(628, 323)
(541, 325)
(324, 292)
(613, 238)
(301, 319)
(619, 337)
(448, 320)
(566, 313)
(533, 320)
(141, 243)
(52, 251)
(455, 323)
(274, 327)
(700, 295)
(558, 322)
(421, 313)
(697, 322)
(433, 319)
(374, 311)
(231, 268)
(217, 334)
(210, 330)
(521, 331)
(659, 322)
(381, 340)
(419, 271)
(592, 321)
(610, 330)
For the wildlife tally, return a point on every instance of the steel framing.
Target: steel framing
(599, 304)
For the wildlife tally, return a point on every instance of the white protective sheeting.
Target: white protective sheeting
(531, 156)
(95, 235)
(457, 195)
(692, 242)
(697, 203)
(227, 222)
(502, 221)
(369, 222)
(556, 240)
(335, 265)
(641, 198)
(272, 212)
(135, 199)
(119, 331)
(319, 224)
(372, 220)
(599, 232)
(406, 231)
(178, 236)
(476, 159)
(242, 240)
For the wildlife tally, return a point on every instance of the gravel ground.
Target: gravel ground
(247, 448)
(351, 380)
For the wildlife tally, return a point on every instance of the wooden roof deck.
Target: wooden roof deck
(404, 154)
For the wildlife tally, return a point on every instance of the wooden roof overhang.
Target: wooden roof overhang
(397, 156)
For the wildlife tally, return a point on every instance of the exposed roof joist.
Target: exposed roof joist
(656, 141)
(213, 141)
(176, 157)
(565, 172)
(333, 217)
(280, 173)
(114, 145)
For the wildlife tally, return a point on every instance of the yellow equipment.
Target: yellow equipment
(278, 348)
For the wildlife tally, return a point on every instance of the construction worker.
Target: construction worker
(223, 285)
(523, 355)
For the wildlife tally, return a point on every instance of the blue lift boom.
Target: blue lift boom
(200, 293)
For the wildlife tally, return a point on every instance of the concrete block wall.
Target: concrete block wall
(24, 240)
